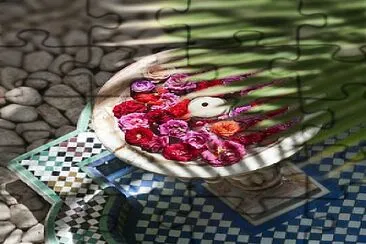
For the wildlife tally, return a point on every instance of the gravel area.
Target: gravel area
(22, 211)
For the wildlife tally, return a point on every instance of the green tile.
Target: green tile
(53, 158)
(49, 168)
(59, 164)
(42, 163)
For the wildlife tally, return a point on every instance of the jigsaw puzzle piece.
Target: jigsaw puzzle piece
(41, 22)
(327, 85)
(343, 28)
(104, 21)
(277, 22)
(137, 30)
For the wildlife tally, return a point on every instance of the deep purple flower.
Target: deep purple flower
(174, 127)
(133, 120)
(142, 86)
(177, 85)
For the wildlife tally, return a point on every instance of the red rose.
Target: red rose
(180, 152)
(180, 109)
(138, 136)
(128, 107)
(155, 144)
(148, 98)
(249, 139)
(158, 116)
(161, 90)
(206, 84)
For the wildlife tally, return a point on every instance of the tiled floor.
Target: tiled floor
(97, 199)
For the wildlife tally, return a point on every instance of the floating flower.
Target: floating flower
(177, 85)
(142, 86)
(160, 120)
(158, 116)
(133, 120)
(206, 84)
(175, 128)
(196, 139)
(156, 144)
(247, 121)
(231, 79)
(161, 90)
(239, 110)
(128, 107)
(180, 152)
(157, 73)
(249, 139)
(138, 136)
(223, 153)
(197, 123)
(225, 128)
(148, 98)
(180, 109)
(260, 136)
(168, 100)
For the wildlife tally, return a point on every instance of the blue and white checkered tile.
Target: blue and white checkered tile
(311, 150)
(78, 220)
(172, 211)
(339, 221)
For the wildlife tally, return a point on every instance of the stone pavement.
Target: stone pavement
(47, 75)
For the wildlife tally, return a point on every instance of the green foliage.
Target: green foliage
(318, 48)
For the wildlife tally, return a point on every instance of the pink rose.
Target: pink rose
(142, 86)
(168, 99)
(174, 127)
(196, 139)
(176, 84)
(222, 153)
(133, 120)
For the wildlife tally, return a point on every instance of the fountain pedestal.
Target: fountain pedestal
(266, 193)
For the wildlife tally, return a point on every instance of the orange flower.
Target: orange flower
(225, 128)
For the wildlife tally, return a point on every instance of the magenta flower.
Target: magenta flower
(223, 153)
(142, 86)
(177, 85)
(133, 120)
(174, 127)
(196, 139)
(239, 110)
(168, 99)
(231, 79)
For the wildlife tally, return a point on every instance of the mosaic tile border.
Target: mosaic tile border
(22, 164)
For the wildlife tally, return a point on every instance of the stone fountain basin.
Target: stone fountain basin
(105, 125)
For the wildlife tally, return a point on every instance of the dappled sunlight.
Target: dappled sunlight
(175, 121)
